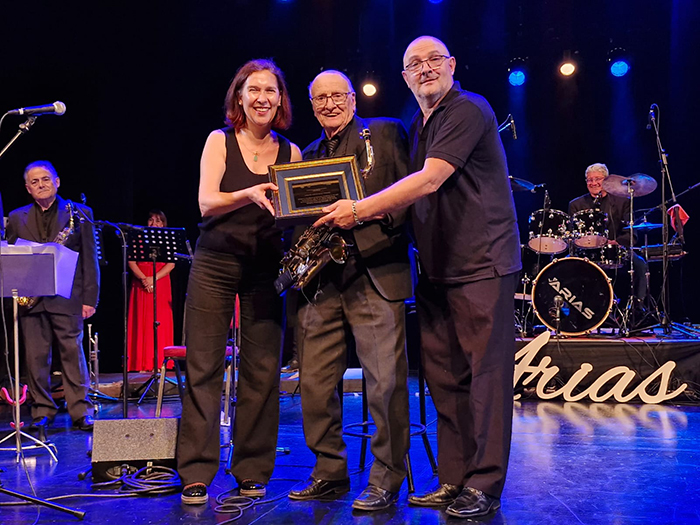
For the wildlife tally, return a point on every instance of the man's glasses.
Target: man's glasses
(338, 99)
(433, 62)
(596, 180)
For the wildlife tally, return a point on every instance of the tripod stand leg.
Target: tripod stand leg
(77, 513)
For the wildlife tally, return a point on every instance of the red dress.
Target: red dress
(140, 335)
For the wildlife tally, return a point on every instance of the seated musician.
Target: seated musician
(618, 211)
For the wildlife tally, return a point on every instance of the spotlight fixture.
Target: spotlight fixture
(567, 66)
(517, 73)
(619, 61)
(369, 88)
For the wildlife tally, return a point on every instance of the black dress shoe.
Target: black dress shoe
(374, 498)
(194, 494)
(473, 503)
(43, 421)
(85, 423)
(252, 489)
(443, 495)
(321, 488)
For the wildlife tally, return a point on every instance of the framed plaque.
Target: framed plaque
(306, 187)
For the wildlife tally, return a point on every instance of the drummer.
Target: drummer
(618, 212)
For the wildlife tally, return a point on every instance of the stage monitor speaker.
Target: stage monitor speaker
(126, 445)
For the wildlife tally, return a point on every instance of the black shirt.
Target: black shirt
(46, 220)
(248, 231)
(467, 230)
(617, 209)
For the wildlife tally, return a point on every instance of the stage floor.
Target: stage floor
(587, 463)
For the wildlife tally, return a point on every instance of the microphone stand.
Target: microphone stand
(120, 231)
(666, 324)
(23, 128)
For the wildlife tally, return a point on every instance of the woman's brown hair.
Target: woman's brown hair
(235, 116)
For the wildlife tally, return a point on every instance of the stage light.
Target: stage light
(517, 73)
(567, 68)
(619, 61)
(435, 1)
(369, 89)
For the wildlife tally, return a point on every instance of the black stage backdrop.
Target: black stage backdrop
(144, 84)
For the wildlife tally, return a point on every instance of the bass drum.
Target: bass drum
(585, 290)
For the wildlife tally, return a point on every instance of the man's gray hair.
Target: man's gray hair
(599, 167)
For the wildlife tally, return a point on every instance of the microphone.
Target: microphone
(512, 128)
(651, 116)
(596, 202)
(558, 303)
(538, 187)
(57, 108)
(547, 201)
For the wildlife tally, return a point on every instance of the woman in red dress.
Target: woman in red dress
(140, 342)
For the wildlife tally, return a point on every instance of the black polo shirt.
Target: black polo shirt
(467, 230)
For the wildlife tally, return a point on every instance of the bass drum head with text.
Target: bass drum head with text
(586, 292)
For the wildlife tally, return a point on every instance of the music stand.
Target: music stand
(33, 270)
(155, 245)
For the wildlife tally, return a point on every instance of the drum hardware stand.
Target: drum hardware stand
(627, 321)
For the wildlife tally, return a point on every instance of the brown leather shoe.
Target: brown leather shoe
(194, 494)
(473, 503)
(443, 495)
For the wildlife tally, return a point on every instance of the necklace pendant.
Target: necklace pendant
(255, 156)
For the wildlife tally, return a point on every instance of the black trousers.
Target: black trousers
(345, 304)
(39, 330)
(215, 279)
(468, 351)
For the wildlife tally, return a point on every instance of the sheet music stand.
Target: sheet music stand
(155, 245)
(33, 270)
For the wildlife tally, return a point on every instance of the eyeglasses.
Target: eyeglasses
(434, 62)
(338, 99)
(595, 180)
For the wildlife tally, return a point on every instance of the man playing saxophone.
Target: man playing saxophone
(50, 219)
(362, 299)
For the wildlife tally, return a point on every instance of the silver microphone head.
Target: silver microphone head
(60, 107)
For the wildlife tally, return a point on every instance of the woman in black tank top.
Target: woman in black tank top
(238, 253)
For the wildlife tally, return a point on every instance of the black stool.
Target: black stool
(417, 429)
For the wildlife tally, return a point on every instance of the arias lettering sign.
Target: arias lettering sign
(545, 371)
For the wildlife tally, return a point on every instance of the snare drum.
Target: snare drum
(590, 228)
(585, 290)
(548, 231)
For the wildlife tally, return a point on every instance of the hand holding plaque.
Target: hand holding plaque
(305, 187)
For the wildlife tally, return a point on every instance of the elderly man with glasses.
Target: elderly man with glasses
(466, 232)
(618, 211)
(361, 301)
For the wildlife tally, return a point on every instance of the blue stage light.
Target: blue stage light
(619, 68)
(435, 1)
(516, 77)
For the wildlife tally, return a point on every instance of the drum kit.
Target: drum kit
(572, 295)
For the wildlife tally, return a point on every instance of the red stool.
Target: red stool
(176, 354)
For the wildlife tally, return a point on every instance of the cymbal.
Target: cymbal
(520, 184)
(617, 185)
(644, 226)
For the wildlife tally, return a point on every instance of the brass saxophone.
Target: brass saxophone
(317, 246)
(61, 238)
